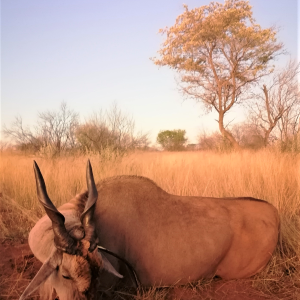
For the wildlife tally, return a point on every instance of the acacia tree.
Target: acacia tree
(218, 52)
(172, 140)
(278, 103)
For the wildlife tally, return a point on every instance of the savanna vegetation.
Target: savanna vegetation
(223, 59)
(172, 140)
(59, 132)
(263, 174)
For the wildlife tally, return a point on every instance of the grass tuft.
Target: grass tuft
(267, 175)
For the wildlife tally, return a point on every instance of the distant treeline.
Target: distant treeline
(60, 131)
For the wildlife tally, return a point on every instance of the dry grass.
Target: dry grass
(267, 175)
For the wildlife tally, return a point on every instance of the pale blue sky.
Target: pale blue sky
(92, 53)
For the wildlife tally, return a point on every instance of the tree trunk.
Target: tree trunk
(267, 135)
(227, 134)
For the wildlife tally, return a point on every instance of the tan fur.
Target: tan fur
(168, 239)
(79, 268)
(171, 239)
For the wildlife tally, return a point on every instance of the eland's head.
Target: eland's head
(74, 264)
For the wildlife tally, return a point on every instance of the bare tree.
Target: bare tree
(57, 128)
(112, 129)
(278, 100)
(4, 146)
(22, 136)
(289, 129)
(248, 135)
(54, 130)
(213, 141)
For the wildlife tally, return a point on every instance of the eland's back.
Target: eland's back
(168, 238)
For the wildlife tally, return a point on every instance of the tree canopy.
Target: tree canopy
(219, 52)
(172, 140)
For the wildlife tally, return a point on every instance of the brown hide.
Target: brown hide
(172, 239)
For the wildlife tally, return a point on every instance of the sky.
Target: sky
(91, 54)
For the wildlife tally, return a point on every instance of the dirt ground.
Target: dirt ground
(18, 266)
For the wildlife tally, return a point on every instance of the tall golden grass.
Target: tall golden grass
(265, 174)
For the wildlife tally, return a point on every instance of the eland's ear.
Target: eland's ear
(108, 266)
(87, 217)
(45, 271)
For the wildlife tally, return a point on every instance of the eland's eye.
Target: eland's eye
(66, 277)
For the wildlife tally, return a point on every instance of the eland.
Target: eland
(167, 239)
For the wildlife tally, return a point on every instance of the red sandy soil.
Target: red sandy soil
(18, 266)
